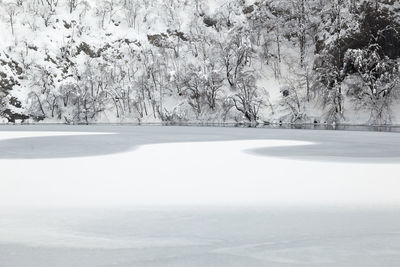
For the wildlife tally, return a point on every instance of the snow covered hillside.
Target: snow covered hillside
(293, 61)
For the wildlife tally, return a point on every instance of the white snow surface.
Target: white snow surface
(197, 197)
(202, 173)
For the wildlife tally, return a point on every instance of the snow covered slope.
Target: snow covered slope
(200, 60)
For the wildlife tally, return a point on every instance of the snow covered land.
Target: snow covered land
(295, 61)
(198, 196)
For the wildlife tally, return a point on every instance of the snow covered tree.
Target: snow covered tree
(247, 100)
(374, 82)
(12, 10)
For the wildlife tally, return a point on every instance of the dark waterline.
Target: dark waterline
(309, 126)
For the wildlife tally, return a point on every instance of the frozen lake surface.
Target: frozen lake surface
(193, 196)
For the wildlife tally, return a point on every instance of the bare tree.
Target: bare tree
(72, 4)
(247, 99)
(131, 11)
(52, 4)
(12, 10)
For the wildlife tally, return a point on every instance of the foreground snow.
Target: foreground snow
(136, 196)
